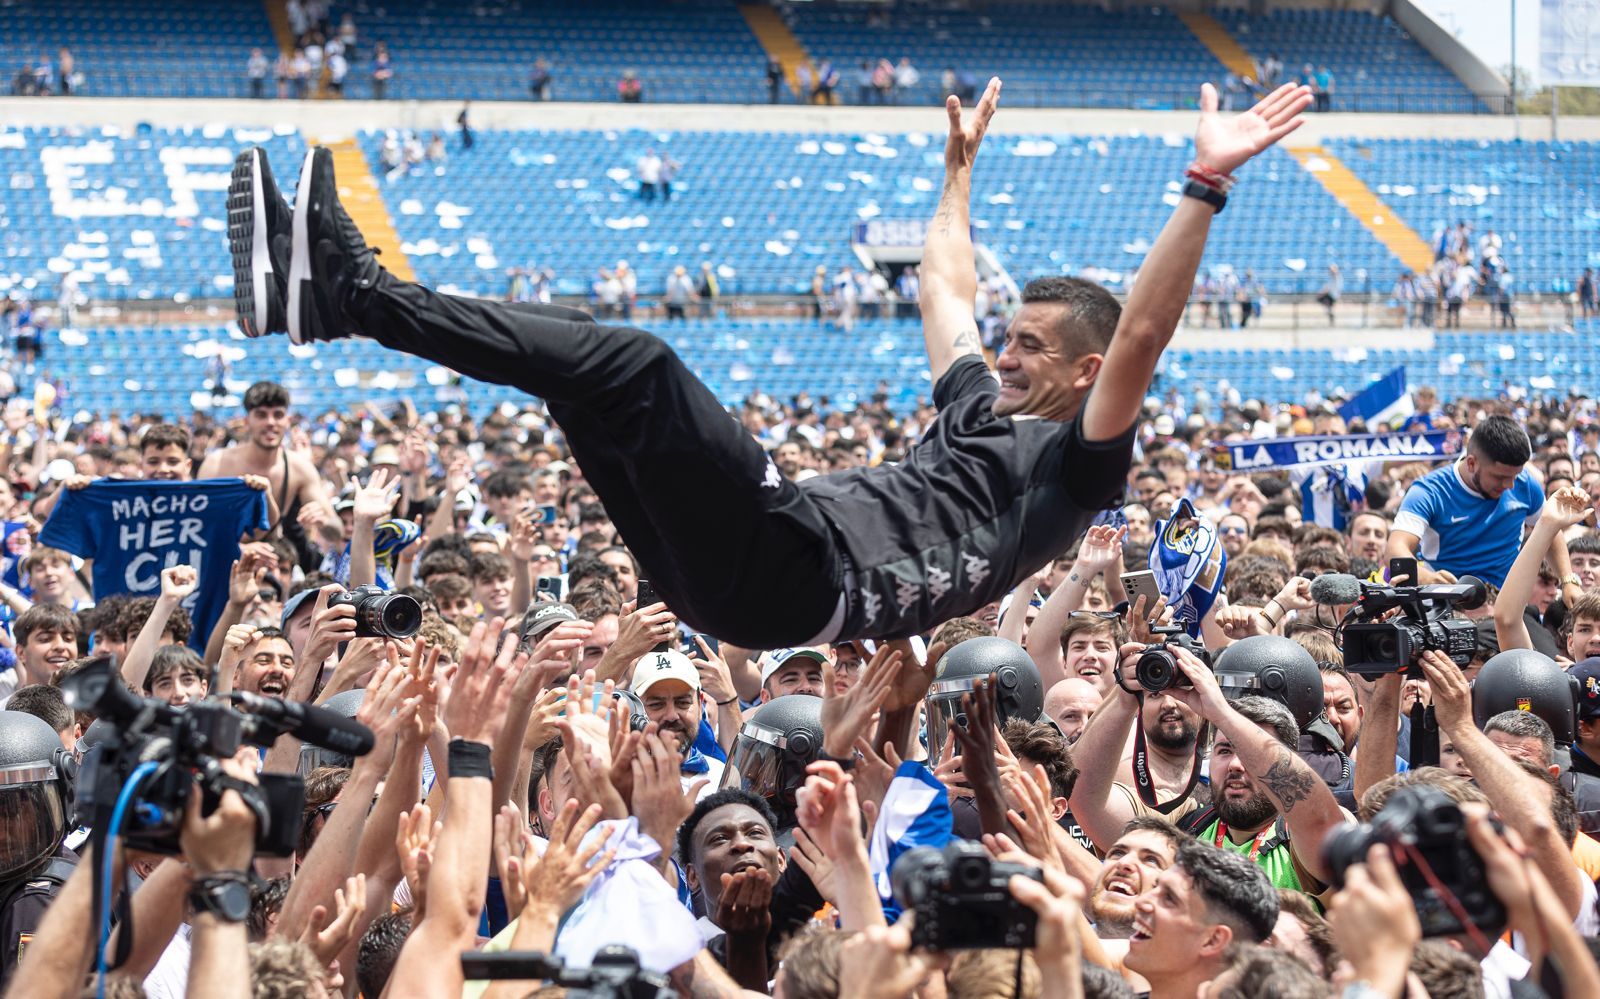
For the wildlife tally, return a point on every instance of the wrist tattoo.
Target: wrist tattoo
(966, 342)
(1072, 577)
(1289, 783)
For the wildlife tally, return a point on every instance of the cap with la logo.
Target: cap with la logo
(657, 666)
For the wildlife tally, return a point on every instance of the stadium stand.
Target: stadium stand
(1068, 56)
(1538, 196)
(134, 214)
(1376, 66)
(164, 370)
(768, 207)
(148, 48)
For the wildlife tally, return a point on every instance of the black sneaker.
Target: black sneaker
(329, 259)
(258, 240)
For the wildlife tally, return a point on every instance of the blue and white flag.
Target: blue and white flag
(1384, 400)
(1331, 495)
(1337, 449)
(915, 812)
(1189, 563)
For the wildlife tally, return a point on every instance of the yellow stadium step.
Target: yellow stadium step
(358, 189)
(1359, 200)
(778, 40)
(278, 16)
(1221, 43)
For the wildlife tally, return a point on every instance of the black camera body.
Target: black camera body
(1426, 621)
(962, 898)
(379, 613)
(1427, 836)
(1157, 668)
(614, 973)
(187, 745)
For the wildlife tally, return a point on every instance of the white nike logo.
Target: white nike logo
(1457, 520)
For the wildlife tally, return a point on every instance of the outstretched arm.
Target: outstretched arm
(1158, 298)
(949, 270)
(1562, 509)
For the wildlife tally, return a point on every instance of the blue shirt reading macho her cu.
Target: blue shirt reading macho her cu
(133, 530)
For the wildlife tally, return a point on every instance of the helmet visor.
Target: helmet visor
(756, 763)
(944, 710)
(31, 819)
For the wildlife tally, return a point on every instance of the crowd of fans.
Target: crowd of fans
(1171, 843)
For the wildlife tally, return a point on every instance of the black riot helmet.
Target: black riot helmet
(1525, 680)
(345, 704)
(1281, 669)
(1019, 693)
(775, 745)
(35, 793)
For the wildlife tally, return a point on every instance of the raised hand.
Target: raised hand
(524, 535)
(178, 582)
(1101, 548)
(414, 841)
(846, 716)
(350, 903)
(658, 798)
(375, 500)
(716, 680)
(481, 692)
(555, 881)
(961, 147)
(1225, 144)
(1565, 507)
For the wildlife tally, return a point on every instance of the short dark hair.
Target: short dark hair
(441, 562)
(1299, 906)
(1110, 627)
(959, 629)
(1445, 972)
(505, 483)
(43, 701)
(1092, 312)
(1321, 559)
(1525, 725)
(1158, 825)
(1268, 973)
(138, 611)
(1235, 892)
(165, 435)
(1273, 714)
(1044, 745)
(1587, 543)
(448, 586)
(44, 617)
(170, 659)
(379, 949)
(1502, 440)
(266, 900)
(488, 566)
(102, 617)
(710, 803)
(1103, 983)
(265, 394)
(588, 566)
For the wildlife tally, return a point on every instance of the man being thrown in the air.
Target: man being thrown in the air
(983, 500)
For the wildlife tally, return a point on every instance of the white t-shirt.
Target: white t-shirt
(169, 979)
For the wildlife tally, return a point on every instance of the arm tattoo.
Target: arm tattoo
(1289, 780)
(944, 219)
(1073, 577)
(966, 342)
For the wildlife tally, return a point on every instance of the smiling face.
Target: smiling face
(1131, 868)
(799, 675)
(1090, 654)
(1038, 376)
(1587, 566)
(49, 577)
(675, 708)
(47, 651)
(165, 463)
(1169, 724)
(731, 839)
(1369, 534)
(1584, 641)
(267, 668)
(1171, 931)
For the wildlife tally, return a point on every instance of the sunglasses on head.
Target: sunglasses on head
(1102, 615)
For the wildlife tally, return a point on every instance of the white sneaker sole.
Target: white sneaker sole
(260, 257)
(300, 250)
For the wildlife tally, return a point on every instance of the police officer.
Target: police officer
(775, 745)
(34, 804)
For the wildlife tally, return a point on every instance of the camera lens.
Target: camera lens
(396, 615)
(1387, 647)
(970, 873)
(1156, 670)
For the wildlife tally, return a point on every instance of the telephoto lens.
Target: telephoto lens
(380, 614)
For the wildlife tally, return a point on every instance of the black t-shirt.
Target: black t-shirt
(24, 911)
(978, 504)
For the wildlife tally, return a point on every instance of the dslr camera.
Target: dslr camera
(1427, 836)
(615, 973)
(1157, 669)
(188, 745)
(381, 614)
(1426, 621)
(962, 898)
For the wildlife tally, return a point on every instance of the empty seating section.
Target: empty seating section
(683, 50)
(151, 48)
(140, 215)
(1540, 197)
(1459, 365)
(1376, 65)
(770, 207)
(1048, 55)
(164, 370)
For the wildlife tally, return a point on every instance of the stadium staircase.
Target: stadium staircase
(1360, 201)
(359, 192)
(779, 41)
(278, 17)
(1214, 36)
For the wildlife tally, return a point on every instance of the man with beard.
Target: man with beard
(1234, 533)
(1267, 804)
(669, 686)
(265, 664)
(1369, 535)
(1131, 867)
(1110, 790)
(296, 496)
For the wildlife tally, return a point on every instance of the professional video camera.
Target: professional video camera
(187, 744)
(1427, 836)
(381, 614)
(1426, 621)
(962, 898)
(615, 973)
(1157, 668)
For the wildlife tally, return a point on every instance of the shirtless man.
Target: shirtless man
(297, 495)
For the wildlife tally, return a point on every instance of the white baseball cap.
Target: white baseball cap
(658, 666)
(778, 658)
